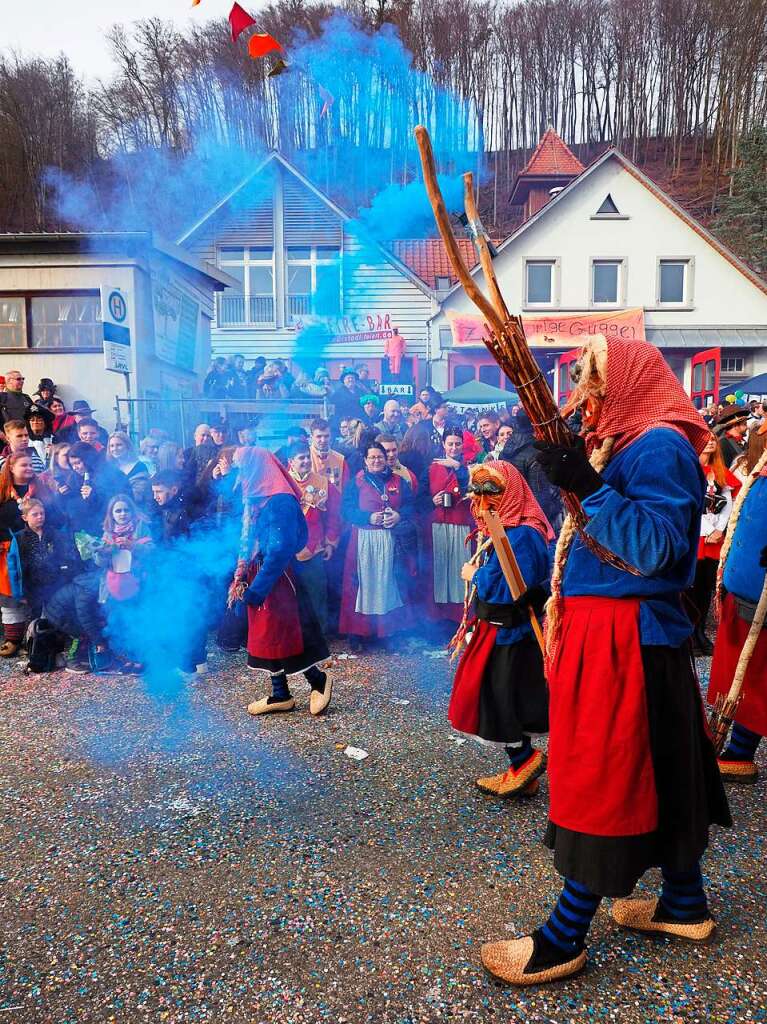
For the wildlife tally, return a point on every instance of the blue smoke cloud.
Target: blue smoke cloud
(362, 144)
(364, 147)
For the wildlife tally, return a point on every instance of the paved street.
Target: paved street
(201, 865)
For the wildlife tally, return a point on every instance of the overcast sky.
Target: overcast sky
(77, 27)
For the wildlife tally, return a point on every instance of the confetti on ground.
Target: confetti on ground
(356, 753)
(197, 864)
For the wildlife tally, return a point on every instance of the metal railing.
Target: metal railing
(299, 305)
(233, 310)
(179, 416)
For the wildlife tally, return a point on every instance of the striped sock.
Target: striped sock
(518, 755)
(13, 632)
(571, 918)
(682, 896)
(743, 744)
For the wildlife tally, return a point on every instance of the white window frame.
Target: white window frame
(554, 301)
(736, 371)
(246, 263)
(443, 287)
(620, 290)
(313, 261)
(689, 282)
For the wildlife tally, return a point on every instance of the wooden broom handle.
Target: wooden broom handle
(445, 228)
(485, 258)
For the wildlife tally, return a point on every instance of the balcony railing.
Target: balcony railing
(239, 309)
(298, 306)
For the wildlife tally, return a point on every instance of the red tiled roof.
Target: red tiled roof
(552, 156)
(427, 257)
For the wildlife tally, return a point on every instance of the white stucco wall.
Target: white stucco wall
(82, 375)
(721, 294)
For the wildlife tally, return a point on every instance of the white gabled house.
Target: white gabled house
(603, 239)
(299, 264)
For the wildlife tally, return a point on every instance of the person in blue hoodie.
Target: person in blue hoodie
(633, 778)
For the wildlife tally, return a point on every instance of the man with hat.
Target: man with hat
(39, 420)
(346, 398)
(13, 402)
(731, 427)
(46, 391)
(81, 410)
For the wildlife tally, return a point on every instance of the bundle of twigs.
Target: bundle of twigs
(506, 339)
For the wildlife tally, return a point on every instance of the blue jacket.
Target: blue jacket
(648, 513)
(743, 576)
(533, 555)
(281, 532)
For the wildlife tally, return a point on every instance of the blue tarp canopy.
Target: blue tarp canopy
(753, 386)
(476, 392)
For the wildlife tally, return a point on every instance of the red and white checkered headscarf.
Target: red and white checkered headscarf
(642, 393)
(517, 505)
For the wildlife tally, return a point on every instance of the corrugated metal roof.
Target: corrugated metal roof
(707, 337)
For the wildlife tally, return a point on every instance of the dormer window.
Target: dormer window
(608, 208)
(443, 284)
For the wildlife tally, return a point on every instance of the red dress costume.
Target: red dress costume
(283, 632)
(633, 780)
(445, 532)
(375, 599)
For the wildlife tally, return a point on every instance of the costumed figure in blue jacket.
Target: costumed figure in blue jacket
(633, 778)
(741, 577)
(284, 636)
(499, 693)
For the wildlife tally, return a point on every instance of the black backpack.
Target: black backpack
(43, 644)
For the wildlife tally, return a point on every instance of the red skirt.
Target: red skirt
(601, 778)
(499, 690)
(733, 630)
(463, 712)
(274, 629)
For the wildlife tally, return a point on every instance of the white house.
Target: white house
(311, 289)
(51, 323)
(606, 240)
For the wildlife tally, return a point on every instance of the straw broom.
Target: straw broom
(506, 341)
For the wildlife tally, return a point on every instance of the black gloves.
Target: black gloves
(763, 557)
(533, 597)
(569, 468)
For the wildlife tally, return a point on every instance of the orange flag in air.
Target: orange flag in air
(261, 43)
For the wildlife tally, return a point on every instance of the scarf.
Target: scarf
(516, 506)
(641, 393)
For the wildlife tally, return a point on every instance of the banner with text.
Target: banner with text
(556, 330)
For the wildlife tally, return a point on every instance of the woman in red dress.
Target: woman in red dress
(284, 636)
(380, 556)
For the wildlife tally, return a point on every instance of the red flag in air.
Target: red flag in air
(239, 19)
(261, 43)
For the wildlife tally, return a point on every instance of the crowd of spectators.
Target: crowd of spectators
(85, 513)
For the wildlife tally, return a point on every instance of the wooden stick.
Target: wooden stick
(723, 714)
(446, 231)
(509, 565)
(485, 258)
